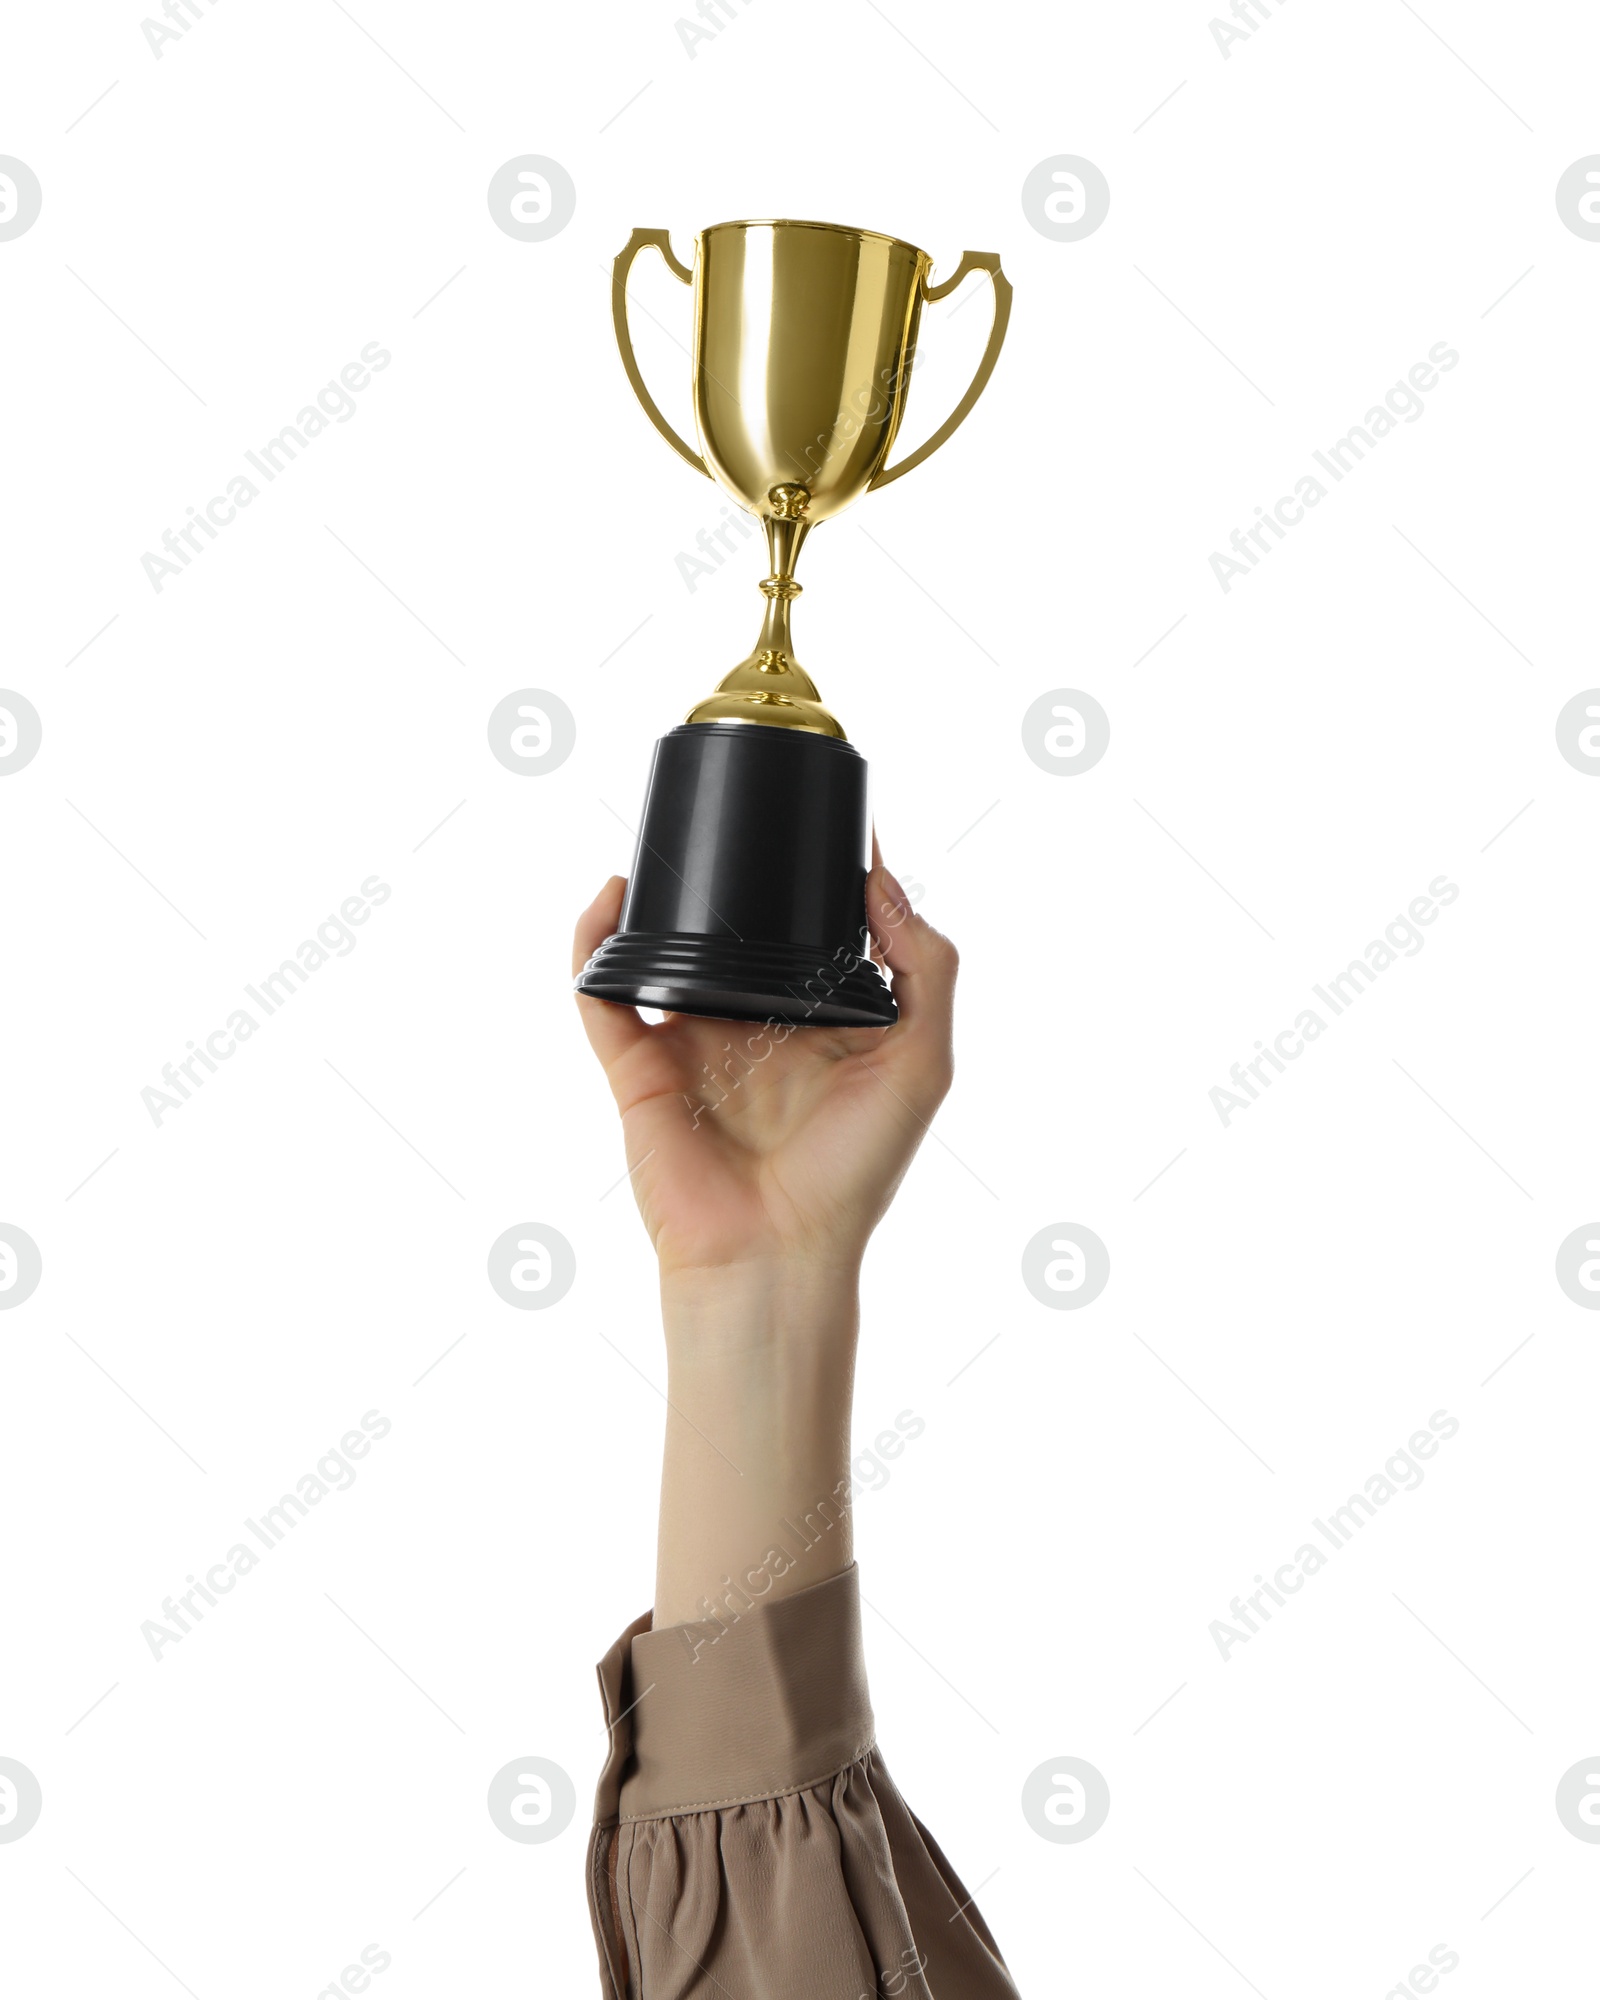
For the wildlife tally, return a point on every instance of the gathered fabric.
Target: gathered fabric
(749, 1842)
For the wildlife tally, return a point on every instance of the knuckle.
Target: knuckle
(944, 953)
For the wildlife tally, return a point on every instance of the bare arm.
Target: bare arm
(760, 1364)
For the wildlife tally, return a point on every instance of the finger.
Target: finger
(597, 923)
(612, 1029)
(924, 964)
(877, 866)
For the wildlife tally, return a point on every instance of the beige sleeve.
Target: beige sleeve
(748, 1839)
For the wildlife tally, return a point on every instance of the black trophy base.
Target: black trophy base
(747, 897)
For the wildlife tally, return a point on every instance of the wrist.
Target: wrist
(759, 1301)
(765, 1350)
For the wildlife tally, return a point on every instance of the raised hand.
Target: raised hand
(768, 1144)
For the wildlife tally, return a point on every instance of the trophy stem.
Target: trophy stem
(775, 647)
(770, 685)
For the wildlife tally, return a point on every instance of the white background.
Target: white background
(1291, 765)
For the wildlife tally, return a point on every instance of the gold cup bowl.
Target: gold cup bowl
(804, 338)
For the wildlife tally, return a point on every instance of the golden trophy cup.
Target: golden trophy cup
(746, 895)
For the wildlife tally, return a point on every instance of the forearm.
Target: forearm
(760, 1368)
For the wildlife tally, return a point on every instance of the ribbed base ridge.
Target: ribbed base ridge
(735, 979)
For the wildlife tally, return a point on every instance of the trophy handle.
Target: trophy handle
(971, 260)
(650, 239)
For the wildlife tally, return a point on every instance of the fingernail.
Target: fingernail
(901, 900)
